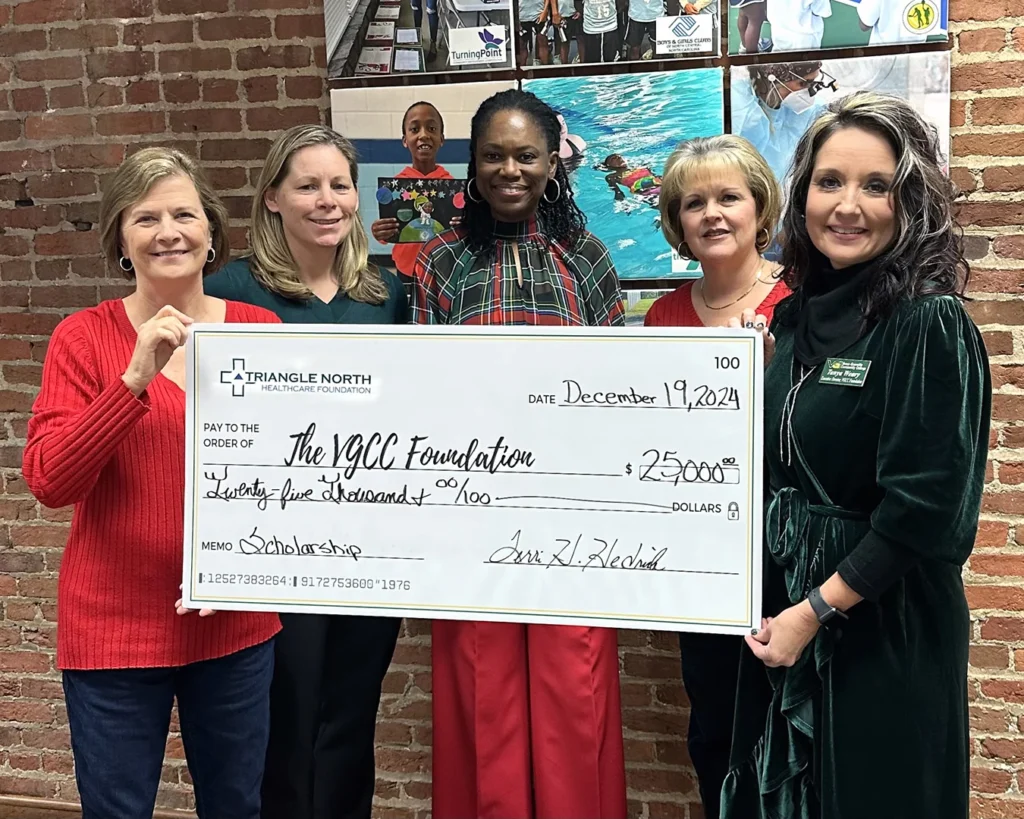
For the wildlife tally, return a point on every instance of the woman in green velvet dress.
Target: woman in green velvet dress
(852, 700)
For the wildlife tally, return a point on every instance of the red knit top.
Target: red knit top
(676, 309)
(121, 461)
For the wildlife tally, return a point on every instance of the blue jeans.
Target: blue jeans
(119, 720)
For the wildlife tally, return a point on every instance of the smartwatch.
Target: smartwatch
(822, 610)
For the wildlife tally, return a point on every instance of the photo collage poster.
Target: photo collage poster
(620, 124)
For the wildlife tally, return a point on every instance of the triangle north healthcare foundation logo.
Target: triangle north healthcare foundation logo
(235, 377)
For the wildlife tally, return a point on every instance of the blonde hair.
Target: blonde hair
(707, 156)
(270, 259)
(134, 179)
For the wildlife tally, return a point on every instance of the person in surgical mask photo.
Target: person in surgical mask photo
(775, 103)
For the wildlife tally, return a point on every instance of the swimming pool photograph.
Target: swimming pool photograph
(620, 130)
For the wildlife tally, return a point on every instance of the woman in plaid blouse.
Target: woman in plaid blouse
(526, 717)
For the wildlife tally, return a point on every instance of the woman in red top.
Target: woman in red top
(108, 435)
(719, 204)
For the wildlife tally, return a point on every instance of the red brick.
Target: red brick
(299, 26)
(15, 270)
(23, 786)
(249, 59)
(224, 179)
(62, 184)
(1004, 178)
(996, 312)
(206, 120)
(12, 349)
(30, 661)
(190, 7)
(30, 218)
(985, 280)
(29, 99)
(83, 38)
(234, 28)
(142, 92)
(215, 90)
(67, 243)
(988, 145)
(119, 64)
(984, 76)
(963, 179)
(138, 122)
(63, 296)
(26, 711)
(982, 39)
(260, 89)
(88, 156)
(57, 126)
(22, 161)
(279, 119)
(22, 42)
(194, 59)
(990, 657)
(998, 111)
(13, 245)
(100, 9)
(216, 150)
(184, 90)
(51, 68)
(39, 12)
(148, 33)
(10, 130)
(304, 88)
(104, 95)
(67, 96)
(1000, 598)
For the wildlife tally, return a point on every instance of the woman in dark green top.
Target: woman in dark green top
(852, 700)
(309, 264)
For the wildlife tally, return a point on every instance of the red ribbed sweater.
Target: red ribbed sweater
(121, 461)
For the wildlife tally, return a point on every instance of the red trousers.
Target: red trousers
(527, 722)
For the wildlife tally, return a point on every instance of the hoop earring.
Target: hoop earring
(762, 246)
(551, 200)
(211, 254)
(476, 200)
(683, 250)
(127, 268)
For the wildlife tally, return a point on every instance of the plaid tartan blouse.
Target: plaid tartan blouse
(577, 286)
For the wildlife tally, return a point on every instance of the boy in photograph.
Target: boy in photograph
(884, 19)
(533, 23)
(601, 41)
(423, 135)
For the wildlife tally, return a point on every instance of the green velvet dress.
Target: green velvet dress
(871, 723)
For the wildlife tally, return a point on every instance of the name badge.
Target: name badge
(845, 372)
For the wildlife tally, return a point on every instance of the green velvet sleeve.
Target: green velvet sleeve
(933, 441)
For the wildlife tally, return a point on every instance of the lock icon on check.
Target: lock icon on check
(734, 511)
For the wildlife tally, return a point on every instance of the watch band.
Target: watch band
(822, 610)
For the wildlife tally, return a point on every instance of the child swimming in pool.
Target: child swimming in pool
(642, 182)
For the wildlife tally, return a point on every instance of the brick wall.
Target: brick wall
(79, 81)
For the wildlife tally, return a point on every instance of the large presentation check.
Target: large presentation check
(566, 475)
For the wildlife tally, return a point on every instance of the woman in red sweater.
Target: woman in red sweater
(108, 435)
(719, 204)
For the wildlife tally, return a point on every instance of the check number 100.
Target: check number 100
(727, 362)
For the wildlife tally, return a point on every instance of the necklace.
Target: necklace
(743, 295)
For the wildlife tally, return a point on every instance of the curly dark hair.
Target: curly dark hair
(561, 221)
(926, 256)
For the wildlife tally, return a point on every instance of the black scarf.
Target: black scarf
(831, 317)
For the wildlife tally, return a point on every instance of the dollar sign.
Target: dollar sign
(629, 469)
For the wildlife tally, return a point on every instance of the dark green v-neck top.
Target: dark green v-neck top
(235, 281)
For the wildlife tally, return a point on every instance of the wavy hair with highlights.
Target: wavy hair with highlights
(926, 256)
(270, 259)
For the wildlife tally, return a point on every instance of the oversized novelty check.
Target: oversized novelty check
(585, 476)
